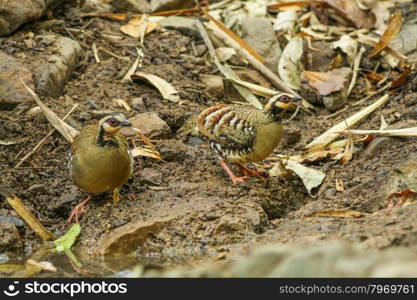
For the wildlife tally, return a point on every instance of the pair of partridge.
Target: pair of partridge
(242, 133)
(100, 160)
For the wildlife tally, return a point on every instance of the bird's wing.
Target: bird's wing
(228, 125)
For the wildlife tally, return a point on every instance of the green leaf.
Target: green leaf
(66, 241)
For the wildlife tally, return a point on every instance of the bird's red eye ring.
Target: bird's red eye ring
(284, 99)
(113, 122)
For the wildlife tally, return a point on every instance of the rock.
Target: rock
(55, 64)
(333, 259)
(291, 137)
(4, 258)
(259, 34)
(34, 111)
(132, 6)
(150, 176)
(318, 57)
(129, 237)
(161, 5)
(214, 84)
(12, 220)
(138, 103)
(9, 237)
(183, 24)
(150, 124)
(174, 150)
(334, 101)
(12, 92)
(15, 13)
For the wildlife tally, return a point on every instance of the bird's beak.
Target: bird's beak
(126, 123)
(296, 99)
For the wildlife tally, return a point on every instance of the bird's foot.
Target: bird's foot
(236, 179)
(232, 176)
(247, 171)
(78, 209)
(116, 196)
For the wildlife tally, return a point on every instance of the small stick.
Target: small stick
(332, 133)
(26, 215)
(94, 49)
(356, 64)
(41, 143)
(254, 62)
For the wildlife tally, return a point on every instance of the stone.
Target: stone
(129, 237)
(259, 34)
(161, 5)
(150, 124)
(174, 150)
(214, 84)
(150, 176)
(182, 24)
(132, 6)
(12, 92)
(332, 259)
(334, 101)
(9, 237)
(34, 111)
(138, 103)
(15, 13)
(55, 64)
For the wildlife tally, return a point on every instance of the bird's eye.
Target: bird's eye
(113, 122)
(284, 99)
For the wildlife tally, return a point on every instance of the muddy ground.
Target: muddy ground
(204, 217)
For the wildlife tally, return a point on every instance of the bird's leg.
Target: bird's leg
(247, 171)
(116, 195)
(229, 172)
(78, 208)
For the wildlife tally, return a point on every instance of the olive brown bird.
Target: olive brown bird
(242, 133)
(100, 160)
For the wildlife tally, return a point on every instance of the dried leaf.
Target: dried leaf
(7, 142)
(285, 20)
(350, 11)
(395, 22)
(411, 131)
(347, 155)
(66, 130)
(339, 185)
(371, 75)
(111, 16)
(400, 80)
(292, 5)
(26, 215)
(311, 178)
(122, 103)
(337, 213)
(327, 82)
(348, 46)
(43, 265)
(235, 37)
(138, 27)
(335, 131)
(167, 90)
(321, 154)
(289, 68)
(406, 196)
(225, 53)
(144, 138)
(147, 152)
